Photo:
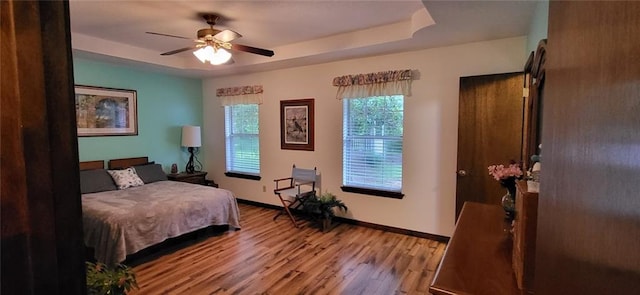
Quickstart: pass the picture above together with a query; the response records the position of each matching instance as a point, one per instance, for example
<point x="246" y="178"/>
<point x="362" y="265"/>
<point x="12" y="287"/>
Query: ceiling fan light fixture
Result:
<point x="212" y="55"/>
<point x="204" y="53"/>
<point x="212" y="44"/>
<point x="220" y="56"/>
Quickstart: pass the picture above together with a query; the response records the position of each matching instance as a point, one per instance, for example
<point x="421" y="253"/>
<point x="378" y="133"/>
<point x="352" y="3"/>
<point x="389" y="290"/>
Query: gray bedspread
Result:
<point x="122" y="222"/>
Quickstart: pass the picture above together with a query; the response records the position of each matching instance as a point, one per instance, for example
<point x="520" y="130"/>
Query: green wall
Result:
<point x="165" y="103"/>
<point x="539" y="25"/>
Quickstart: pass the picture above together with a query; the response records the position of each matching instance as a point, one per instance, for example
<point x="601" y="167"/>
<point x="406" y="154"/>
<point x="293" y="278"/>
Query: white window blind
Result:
<point x="372" y="142"/>
<point x="242" y="139"/>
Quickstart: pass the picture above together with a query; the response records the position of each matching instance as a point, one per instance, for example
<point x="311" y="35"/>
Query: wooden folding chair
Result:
<point x="299" y="187"/>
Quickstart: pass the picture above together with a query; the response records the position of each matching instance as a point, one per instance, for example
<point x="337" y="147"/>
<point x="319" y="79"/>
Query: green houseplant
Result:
<point x="323" y="207"/>
<point x="103" y="280"/>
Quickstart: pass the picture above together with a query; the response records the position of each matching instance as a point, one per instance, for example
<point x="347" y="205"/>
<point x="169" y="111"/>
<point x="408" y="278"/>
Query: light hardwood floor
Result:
<point x="267" y="257"/>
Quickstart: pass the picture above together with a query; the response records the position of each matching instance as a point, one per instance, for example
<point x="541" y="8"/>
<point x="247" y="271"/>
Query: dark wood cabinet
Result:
<point x="195" y="177"/>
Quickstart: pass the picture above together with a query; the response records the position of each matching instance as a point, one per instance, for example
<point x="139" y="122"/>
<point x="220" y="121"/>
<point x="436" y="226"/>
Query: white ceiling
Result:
<point x="300" y="32"/>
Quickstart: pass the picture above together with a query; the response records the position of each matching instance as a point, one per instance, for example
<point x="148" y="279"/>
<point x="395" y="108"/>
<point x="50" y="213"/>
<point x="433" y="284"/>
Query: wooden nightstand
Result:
<point x="195" y="177"/>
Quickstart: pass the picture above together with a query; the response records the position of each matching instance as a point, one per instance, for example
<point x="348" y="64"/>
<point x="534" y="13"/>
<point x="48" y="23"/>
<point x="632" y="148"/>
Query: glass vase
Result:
<point x="509" y="206"/>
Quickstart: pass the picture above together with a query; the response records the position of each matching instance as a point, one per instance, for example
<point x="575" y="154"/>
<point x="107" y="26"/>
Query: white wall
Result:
<point x="430" y="138"/>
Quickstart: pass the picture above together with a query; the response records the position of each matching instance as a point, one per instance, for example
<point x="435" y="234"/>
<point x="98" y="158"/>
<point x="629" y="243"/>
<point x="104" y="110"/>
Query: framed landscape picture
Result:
<point x="106" y="111"/>
<point x="296" y="124"/>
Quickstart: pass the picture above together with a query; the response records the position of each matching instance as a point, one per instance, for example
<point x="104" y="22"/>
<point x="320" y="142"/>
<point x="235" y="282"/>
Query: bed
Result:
<point x="121" y="221"/>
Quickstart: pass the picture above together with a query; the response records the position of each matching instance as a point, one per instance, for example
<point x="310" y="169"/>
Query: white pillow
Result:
<point x="125" y="178"/>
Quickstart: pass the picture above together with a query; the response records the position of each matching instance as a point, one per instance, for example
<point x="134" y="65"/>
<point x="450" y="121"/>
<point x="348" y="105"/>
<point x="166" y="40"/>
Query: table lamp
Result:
<point x="191" y="140"/>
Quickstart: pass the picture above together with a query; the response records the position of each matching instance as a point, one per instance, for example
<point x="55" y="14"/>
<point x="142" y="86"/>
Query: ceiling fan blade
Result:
<point x="167" y="35"/>
<point x="178" y="50"/>
<point x="227" y="35"/>
<point x="250" y="49"/>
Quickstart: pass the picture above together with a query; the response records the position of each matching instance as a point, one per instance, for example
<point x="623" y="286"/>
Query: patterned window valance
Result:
<point x="240" y="95"/>
<point x="374" y="84"/>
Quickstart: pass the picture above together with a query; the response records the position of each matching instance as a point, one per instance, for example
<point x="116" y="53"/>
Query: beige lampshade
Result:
<point x="191" y="136"/>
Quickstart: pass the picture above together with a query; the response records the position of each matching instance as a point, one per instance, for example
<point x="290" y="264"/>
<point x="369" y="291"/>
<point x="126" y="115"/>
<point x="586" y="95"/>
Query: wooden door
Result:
<point x="489" y="133"/>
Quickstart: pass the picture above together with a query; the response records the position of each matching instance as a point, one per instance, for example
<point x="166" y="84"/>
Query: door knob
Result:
<point x="462" y="172"/>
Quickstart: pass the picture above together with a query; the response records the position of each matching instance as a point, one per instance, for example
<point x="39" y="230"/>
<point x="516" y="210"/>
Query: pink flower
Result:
<point x="499" y="172"/>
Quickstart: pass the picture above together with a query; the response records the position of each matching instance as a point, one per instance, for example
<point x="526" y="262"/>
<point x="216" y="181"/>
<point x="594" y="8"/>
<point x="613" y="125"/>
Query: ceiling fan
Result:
<point x="212" y="44"/>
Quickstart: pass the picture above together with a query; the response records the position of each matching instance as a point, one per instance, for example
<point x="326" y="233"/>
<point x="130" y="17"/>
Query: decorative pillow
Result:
<point x="125" y="178"/>
<point x="150" y="173"/>
<point x="93" y="181"/>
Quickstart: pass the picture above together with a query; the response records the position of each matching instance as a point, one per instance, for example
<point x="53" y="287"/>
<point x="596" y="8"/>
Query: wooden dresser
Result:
<point x="524" y="236"/>
<point x="478" y="257"/>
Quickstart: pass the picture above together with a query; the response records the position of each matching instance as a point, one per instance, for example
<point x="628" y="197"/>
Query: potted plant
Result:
<point x="322" y="208"/>
<point x="104" y="280"/>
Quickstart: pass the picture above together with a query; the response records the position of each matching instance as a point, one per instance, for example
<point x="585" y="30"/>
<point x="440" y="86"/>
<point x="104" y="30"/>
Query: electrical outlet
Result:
<point x="264" y="188"/>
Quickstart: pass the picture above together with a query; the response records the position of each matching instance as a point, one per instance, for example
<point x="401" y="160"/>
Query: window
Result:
<point x="372" y="145"/>
<point x="242" y="140"/>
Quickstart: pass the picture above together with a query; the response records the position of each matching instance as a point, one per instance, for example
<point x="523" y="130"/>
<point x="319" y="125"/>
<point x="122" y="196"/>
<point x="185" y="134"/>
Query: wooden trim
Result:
<point x="439" y="238"/>
<point x="529" y="64"/>
<point x="538" y="70"/>
<point x="92" y="165"/>
<point x="243" y="176"/>
<point x="372" y="192"/>
<point x="525" y="153"/>
<point x="127" y="162"/>
<point x="258" y="204"/>
<point x="413" y="233"/>
<point x="533" y="112"/>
